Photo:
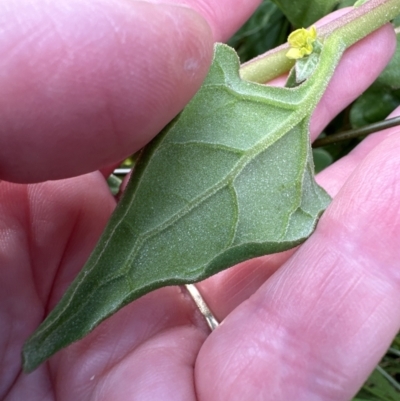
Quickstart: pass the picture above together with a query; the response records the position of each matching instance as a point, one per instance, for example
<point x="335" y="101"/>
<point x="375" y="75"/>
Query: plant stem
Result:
<point x="389" y="378"/>
<point x="351" y="27"/>
<point x="394" y="351"/>
<point x="355" y="133"/>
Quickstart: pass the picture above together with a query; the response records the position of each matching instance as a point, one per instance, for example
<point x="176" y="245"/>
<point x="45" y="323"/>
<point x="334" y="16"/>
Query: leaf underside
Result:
<point x="230" y="178"/>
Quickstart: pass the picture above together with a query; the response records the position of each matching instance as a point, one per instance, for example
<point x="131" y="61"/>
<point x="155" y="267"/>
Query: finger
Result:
<point x="320" y="324"/>
<point x="47" y="232"/>
<point x="87" y="83"/>
<point x="228" y="289"/>
<point x="147" y="348"/>
<point x="85" y="88"/>
<point x="225" y="17"/>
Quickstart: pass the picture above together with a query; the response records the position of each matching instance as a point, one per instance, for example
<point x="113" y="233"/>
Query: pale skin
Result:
<point x="86" y="83"/>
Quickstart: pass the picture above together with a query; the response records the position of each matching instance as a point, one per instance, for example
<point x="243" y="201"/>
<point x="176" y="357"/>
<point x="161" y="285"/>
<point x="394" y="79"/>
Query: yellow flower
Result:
<point x="301" y="42"/>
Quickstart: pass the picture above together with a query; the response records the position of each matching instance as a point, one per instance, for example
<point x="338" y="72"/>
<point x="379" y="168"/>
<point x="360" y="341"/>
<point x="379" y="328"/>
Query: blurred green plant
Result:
<point x="366" y="109"/>
<point x="266" y="29"/>
<point x="305" y="13"/>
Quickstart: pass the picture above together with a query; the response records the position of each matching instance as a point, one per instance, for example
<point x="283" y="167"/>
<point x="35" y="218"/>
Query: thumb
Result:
<point x="86" y="83"/>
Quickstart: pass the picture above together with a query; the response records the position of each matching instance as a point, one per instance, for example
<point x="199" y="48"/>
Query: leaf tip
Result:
<point x="29" y="362"/>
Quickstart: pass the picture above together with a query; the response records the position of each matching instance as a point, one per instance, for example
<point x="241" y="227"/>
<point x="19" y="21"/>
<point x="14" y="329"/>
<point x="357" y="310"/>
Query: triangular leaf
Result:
<point x="230" y="178"/>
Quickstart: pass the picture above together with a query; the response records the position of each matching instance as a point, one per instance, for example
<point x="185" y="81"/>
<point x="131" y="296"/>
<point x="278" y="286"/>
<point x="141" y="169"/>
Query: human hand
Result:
<point x="302" y="333"/>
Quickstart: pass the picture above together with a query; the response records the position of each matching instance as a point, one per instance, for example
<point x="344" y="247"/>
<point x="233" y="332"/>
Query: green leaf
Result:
<point x="374" y="105"/>
<point x="304" y="13"/>
<point x="359" y="3"/>
<point x="322" y="159"/>
<point x="304" y="67"/>
<point x="345" y="3"/>
<point x="390" y="76"/>
<point x="361" y="399"/>
<point x="396" y="23"/>
<point x="381" y="98"/>
<point x="267" y="28"/>
<point x="379" y="388"/>
<point x="230" y="178"/>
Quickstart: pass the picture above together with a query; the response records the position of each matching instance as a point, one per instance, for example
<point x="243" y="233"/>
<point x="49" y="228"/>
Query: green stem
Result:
<point x="351" y="27"/>
<point x="355" y="133"/>
<point x="389" y="378"/>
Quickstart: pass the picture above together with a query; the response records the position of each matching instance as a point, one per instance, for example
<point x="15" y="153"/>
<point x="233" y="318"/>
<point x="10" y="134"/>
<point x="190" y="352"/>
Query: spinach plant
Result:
<point x="230" y="178"/>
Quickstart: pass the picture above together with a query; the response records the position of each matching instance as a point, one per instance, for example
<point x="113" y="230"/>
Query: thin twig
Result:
<point x="355" y="133"/>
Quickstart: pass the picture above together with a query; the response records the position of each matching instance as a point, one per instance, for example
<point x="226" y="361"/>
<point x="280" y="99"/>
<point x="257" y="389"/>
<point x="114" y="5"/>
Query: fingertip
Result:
<point x="85" y="84"/>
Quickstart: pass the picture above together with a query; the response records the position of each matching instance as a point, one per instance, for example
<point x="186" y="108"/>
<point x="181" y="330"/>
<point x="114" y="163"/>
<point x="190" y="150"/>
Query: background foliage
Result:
<point x="268" y="28"/>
